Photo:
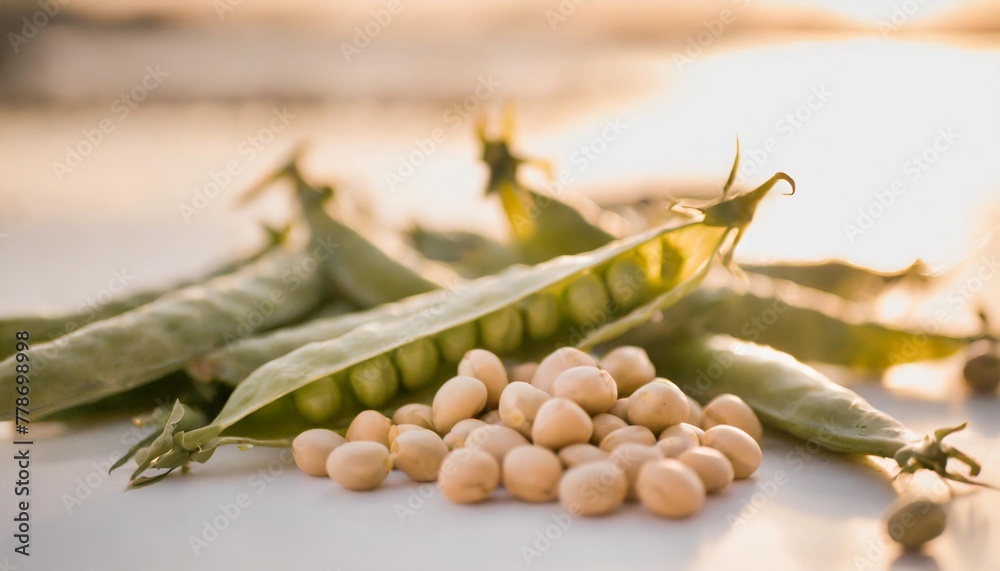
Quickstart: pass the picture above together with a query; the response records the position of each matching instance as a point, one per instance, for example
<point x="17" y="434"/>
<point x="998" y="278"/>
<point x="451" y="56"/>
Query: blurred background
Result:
<point x="129" y="129"/>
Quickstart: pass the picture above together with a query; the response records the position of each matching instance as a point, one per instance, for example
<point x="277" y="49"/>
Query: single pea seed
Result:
<point x="414" y="413"/>
<point x="555" y="363"/>
<point x="460" y="432"/>
<point x="742" y="450"/>
<point x="913" y="522"/>
<point x="359" y="466"/>
<point x="630" y="367"/>
<point x="522" y="373"/>
<point x="630" y="458"/>
<point x="593" y="488"/>
<point x="695" y="413"/>
<point x="559" y="423"/>
<point x="626" y="280"/>
<point x="419" y="454"/>
<point x="657" y="405"/>
<point x="670" y="489"/>
<point x="532" y="474"/>
<point x="311" y="448"/>
<point x="591" y="388"/>
<point x="495" y="439"/>
<point x="468" y="476"/>
<point x="519" y="405"/>
<point x="620" y="408"/>
<point x="457" y="341"/>
<point x="576" y="454"/>
<point x="587" y="300"/>
<point x="396" y="429"/>
<point x="374" y="382"/>
<point x="502" y="331"/>
<point x="616" y="438"/>
<point x="674" y="446"/>
<point x="541" y="316"/>
<point x="488" y="368"/>
<point x="982" y="373"/>
<point x="684" y="430"/>
<point x="417" y="363"/>
<point x="491" y="417"/>
<point x="734" y="411"/>
<point x="318" y="401"/>
<point x="712" y="466"/>
<point x="457" y="399"/>
<point x="370" y="425"/>
<point x="605" y="424"/>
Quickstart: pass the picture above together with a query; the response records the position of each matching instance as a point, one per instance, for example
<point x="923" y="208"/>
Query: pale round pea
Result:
<point x="555" y="363"/>
<point x="419" y="454"/>
<point x="396" y="429"/>
<point x="670" y="489"/>
<point x="468" y="476"/>
<point x="591" y="388"/>
<point x="488" y="368"/>
<point x="311" y="448"/>
<point x="743" y="451"/>
<point x="532" y="474"/>
<point x="695" y="413"/>
<point x="657" y="405"/>
<point x="734" y="411"/>
<point x="414" y="413"/>
<point x="495" y="439"/>
<point x="593" y="488"/>
<point x="605" y="424"/>
<point x="637" y="434"/>
<point x="674" y="446"/>
<point x="620" y="408"/>
<point x="576" y="454"/>
<point x="630" y="458"/>
<point x="684" y="430"/>
<point x="491" y="417"/>
<point x="371" y="426"/>
<point x="458" y="398"/>
<point x="461" y="431"/>
<point x="712" y="466"/>
<point x="913" y="522"/>
<point x="630" y="367"/>
<point x="559" y="423"/>
<point x="359" y="465"/>
<point x="522" y="373"/>
<point x="519" y="404"/>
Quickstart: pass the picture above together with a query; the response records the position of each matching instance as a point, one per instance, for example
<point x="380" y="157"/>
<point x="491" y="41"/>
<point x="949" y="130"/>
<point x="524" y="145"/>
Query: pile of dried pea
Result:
<point x="592" y="435"/>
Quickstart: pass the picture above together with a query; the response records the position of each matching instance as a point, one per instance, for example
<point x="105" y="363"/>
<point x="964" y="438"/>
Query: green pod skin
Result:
<point x="375" y="382"/>
<point x="502" y="331"/>
<point x="810" y="334"/>
<point x="797" y="399"/>
<point x="841" y="279"/>
<point x="145" y="344"/>
<point x="456" y="342"/>
<point x="318" y="402"/>
<point x="417" y="363"/>
<point x="587" y="301"/>
<point x="541" y="316"/>
<point x="627" y="283"/>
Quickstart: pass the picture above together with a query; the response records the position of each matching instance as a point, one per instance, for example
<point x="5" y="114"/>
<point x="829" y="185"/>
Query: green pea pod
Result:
<point x="676" y="255"/>
<point x="144" y="344"/>
<point x="471" y="254"/>
<point x="803" y="323"/>
<point x="799" y="400"/>
<point x="843" y="279"/>
<point x="48" y="327"/>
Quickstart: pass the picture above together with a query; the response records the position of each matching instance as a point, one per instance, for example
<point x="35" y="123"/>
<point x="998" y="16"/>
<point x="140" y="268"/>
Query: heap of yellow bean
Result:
<point x="590" y="435"/>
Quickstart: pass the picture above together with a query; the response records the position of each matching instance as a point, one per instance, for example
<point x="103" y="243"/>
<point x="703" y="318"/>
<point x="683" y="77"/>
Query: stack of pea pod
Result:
<point x="366" y="331"/>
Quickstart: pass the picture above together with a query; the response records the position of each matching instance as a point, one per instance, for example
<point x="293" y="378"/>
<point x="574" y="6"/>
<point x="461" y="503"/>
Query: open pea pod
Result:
<point x="579" y="299"/>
